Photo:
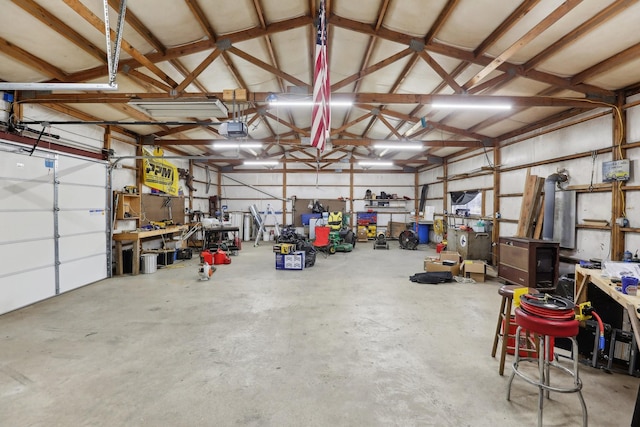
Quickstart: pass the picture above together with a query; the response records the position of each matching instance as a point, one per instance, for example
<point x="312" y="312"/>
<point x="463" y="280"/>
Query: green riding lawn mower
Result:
<point x="341" y="238"/>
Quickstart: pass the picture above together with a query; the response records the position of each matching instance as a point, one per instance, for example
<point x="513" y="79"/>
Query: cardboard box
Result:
<point x="448" y="261"/>
<point x="293" y="261"/>
<point x="284" y="248"/>
<point x="362" y="234"/>
<point x="474" y="269"/>
<point x="394" y="229"/>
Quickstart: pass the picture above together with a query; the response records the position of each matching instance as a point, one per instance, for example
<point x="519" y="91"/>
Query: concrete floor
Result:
<point x="348" y="342"/>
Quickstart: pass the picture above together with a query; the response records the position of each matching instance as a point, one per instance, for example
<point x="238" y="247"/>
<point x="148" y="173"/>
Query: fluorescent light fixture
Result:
<point x="261" y="162"/>
<point x="472" y="106"/>
<point x="237" y="145"/>
<point x="399" y="146"/>
<point x="374" y="163"/>
<point x="308" y="103"/>
<point x="57" y="86"/>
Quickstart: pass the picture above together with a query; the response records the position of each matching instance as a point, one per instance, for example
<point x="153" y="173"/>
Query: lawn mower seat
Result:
<point x="335" y="221"/>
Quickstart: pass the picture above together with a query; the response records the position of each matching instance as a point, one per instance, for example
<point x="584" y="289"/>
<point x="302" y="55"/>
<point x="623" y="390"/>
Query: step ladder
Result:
<point x="262" y="222"/>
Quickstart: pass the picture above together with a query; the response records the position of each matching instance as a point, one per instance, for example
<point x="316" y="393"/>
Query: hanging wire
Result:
<point x="594" y="156"/>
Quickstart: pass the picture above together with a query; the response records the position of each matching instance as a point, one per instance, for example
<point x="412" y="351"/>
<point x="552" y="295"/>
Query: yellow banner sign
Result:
<point x="161" y="175"/>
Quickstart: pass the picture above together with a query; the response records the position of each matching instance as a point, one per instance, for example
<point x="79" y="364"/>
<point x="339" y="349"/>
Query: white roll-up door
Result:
<point x="53" y="222"/>
<point x="81" y="222"/>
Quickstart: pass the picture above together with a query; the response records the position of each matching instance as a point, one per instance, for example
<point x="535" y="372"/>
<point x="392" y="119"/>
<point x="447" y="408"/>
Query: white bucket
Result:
<point x="149" y="263"/>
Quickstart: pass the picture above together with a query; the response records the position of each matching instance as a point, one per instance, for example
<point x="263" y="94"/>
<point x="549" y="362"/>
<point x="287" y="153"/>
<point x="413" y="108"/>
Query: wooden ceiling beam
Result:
<point x="61" y="28"/>
<point x="351" y="123"/>
<point x="148" y="80"/>
<point x="513" y="18"/>
<point x="196" y="47"/>
<point x="360" y="100"/>
<point x="267" y="67"/>
<point x="198" y="70"/>
<point x="527" y="38"/>
<point x="442" y="18"/>
<point x="136" y="24"/>
<point x="32" y="61"/>
<point x="371" y="69"/>
<point x="614" y="61"/>
<point x="467" y="56"/>
<point x="200" y="16"/>
<point x="98" y="24"/>
<point x="441" y="72"/>
<point x="287" y="124"/>
<point x="591" y="24"/>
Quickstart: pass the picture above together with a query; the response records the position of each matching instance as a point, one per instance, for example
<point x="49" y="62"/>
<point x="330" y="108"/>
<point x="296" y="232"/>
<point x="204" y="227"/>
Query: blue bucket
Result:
<point x="628" y="281"/>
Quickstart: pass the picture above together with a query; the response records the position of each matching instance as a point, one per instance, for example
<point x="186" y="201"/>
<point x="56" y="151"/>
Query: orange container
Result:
<point x="440" y="247"/>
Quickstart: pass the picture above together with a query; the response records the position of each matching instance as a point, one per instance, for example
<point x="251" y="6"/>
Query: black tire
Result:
<point x="374" y="246"/>
<point x="350" y="237"/>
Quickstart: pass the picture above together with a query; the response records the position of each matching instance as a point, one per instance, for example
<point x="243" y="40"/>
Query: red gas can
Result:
<point x="221" y="257"/>
<point x="206" y="256"/>
<point x="440" y="247"/>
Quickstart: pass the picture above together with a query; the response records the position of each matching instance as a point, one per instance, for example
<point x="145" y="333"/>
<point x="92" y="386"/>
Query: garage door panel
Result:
<point x="78" y="171"/>
<point x="25" y="256"/>
<point x="81" y="246"/>
<point x="26" y="195"/>
<point x="73" y="222"/>
<point x="26" y="226"/>
<point x="26" y="288"/>
<point x="93" y="269"/>
<point x="79" y="197"/>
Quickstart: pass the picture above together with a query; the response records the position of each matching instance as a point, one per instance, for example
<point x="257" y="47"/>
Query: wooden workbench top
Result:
<point x="137" y="235"/>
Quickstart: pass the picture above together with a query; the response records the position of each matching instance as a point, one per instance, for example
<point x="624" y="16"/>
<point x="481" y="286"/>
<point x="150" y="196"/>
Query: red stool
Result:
<point x="546" y="328"/>
<point x="503" y="327"/>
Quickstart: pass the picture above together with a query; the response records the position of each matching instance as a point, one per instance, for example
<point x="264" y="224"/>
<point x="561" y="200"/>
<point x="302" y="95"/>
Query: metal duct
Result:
<point x="550" y="204"/>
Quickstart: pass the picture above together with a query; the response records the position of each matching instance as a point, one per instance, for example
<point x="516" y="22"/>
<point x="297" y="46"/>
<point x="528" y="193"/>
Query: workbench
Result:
<point x="136" y="238"/>
<point x="214" y="237"/>
<point x="631" y="303"/>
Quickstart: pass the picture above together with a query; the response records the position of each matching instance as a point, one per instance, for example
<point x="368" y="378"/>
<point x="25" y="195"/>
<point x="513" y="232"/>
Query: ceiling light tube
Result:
<point x="260" y="162"/>
<point x="57" y="86"/>
<point x="375" y="163"/>
<point x="399" y="146"/>
<point x="309" y="103"/>
<point x="472" y="106"/>
<point x="237" y="145"/>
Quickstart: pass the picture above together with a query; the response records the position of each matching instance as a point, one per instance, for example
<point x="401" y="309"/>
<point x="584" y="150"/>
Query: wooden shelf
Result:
<point x="129" y="206"/>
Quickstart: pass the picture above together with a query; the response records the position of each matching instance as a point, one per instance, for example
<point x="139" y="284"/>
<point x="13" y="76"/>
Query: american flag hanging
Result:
<point x="321" y="113"/>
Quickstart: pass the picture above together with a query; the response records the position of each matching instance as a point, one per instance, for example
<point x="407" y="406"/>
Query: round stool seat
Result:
<point x="543" y="326"/>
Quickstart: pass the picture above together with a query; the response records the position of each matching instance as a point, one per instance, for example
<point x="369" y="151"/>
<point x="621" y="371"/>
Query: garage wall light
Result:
<point x="223" y="145"/>
<point x="260" y="163"/>
<point x="279" y="103"/>
<point x="472" y="106"/>
<point x="374" y="163"/>
<point x="399" y="146"/>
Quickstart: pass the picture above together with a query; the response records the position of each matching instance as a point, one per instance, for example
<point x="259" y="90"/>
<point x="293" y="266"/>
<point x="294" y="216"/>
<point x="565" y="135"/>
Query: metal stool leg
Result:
<point x="515" y="363"/>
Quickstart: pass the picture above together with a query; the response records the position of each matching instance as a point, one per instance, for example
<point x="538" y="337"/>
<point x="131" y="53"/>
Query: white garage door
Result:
<point x="53" y="222"/>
